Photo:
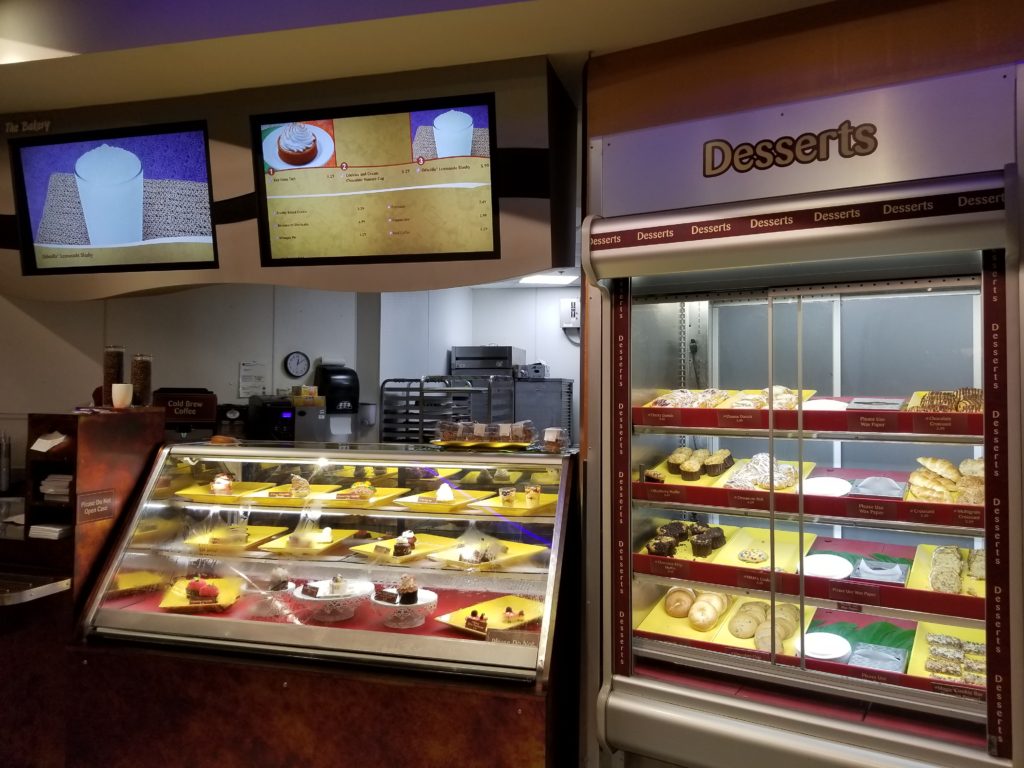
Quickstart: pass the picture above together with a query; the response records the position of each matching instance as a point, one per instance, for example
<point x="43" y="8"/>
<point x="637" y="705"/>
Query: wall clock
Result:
<point x="296" y="364"/>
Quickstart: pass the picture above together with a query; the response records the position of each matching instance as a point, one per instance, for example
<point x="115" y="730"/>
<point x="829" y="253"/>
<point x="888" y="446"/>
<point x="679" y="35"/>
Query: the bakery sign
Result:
<point x="845" y="141"/>
<point x="943" y="127"/>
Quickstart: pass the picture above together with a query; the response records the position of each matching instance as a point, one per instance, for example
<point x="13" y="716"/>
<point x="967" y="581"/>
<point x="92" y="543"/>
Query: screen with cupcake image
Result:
<point x="388" y="182"/>
<point x="116" y="200"/>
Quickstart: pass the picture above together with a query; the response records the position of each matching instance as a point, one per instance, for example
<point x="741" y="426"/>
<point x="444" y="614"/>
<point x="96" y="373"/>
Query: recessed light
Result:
<point x="548" y="279"/>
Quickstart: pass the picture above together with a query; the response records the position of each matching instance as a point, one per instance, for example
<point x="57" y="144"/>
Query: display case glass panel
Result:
<point x="381" y="554"/>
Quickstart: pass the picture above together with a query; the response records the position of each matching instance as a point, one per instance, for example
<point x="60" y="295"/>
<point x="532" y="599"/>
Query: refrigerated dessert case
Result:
<point x="399" y="556"/>
<point x="814" y="444"/>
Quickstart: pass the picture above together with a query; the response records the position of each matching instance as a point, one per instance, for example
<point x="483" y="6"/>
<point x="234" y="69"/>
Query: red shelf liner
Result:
<point x="855" y="591"/>
<point x="365" y="618"/>
<point x="851" y="507"/>
<point x="922" y="423"/>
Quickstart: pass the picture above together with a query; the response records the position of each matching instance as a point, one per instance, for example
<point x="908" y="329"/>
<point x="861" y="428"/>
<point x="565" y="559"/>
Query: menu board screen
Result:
<point x="117" y="200"/>
<point x="390" y="182"/>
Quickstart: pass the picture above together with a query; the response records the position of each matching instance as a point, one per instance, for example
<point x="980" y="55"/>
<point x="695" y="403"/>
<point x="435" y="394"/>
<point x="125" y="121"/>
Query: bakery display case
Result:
<point x="400" y="556"/>
<point x="813" y="457"/>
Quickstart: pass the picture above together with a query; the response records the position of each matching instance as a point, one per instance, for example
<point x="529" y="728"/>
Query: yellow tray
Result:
<point x="281" y="546"/>
<point x="673" y="479"/>
<point x="421" y="502"/>
<point x="472" y="478"/>
<point x="921" y="569"/>
<point x="488" y="444"/>
<point x="382" y="496"/>
<point x="909" y="495"/>
<point x="349" y="473"/>
<point x="807" y="395"/>
<point x="685" y="550"/>
<point x="547" y="477"/>
<point x="258" y="534"/>
<point x="514" y="551"/>
<point x="919" y="652"/>
<point x="494" y="610"/>
<point x="722" y="479"/>
<point x="130" y="582"/>
<point x="175" y="600"/>
<point x="725" y="637"/>
<point x="660" y="623"/>
<point x="787" y="554"/>
<point x="267" y="499"/>
<point x="203" y="495"/>
<point x="545" y="505"/>
<point x="662" y="392"/>
<point x="426" y="544"/>
<point x="156" y="529"/>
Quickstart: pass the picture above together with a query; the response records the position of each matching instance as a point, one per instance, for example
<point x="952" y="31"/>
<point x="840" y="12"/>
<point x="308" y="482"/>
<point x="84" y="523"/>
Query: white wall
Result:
<point x="52" y="351"/>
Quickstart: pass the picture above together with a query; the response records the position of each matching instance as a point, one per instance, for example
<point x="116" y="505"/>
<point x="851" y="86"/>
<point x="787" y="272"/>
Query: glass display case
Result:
<point x="400" y="556"/>
<point x="811" y="439"/>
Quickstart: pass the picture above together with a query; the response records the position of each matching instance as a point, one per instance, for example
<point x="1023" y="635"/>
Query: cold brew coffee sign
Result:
<point x="846" y="141"/>
<point x="943" y="127"/>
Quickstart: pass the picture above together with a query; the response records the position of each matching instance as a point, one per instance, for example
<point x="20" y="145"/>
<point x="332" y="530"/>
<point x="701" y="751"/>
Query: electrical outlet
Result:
<point x="569" y="313"/>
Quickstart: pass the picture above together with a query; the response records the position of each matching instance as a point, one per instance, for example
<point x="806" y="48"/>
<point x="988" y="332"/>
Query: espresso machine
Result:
<point x="339" y="386"/>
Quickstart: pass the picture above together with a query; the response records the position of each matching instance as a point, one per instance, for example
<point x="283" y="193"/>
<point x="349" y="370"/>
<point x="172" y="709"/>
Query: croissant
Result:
<point x="927" y="494"/>
<point x="925" y="478"/>
<point x="943" y="467"/>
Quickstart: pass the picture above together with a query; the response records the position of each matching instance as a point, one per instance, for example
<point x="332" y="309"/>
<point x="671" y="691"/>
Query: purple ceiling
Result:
<point x="103" y="25"/>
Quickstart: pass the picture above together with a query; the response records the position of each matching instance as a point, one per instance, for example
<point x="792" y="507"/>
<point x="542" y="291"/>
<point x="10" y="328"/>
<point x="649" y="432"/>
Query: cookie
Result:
<point x="752" y="556"/>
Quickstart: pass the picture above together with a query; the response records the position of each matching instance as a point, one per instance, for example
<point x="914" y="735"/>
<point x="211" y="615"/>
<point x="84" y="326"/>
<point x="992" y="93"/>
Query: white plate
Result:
<point x="825" y="646"/>
<point x="825" y="405"/>
<point x="324" y="149"/>
<point x="827" y="566"/>
<point x="826" y="486"/>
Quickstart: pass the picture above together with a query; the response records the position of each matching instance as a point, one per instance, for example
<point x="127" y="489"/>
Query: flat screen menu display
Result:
<point x="409" y="181"/>
<point x="115" y="200"/>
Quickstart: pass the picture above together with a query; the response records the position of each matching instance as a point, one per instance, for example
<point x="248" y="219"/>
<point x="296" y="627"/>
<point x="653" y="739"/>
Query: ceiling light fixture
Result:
<point x="543" y="279"/>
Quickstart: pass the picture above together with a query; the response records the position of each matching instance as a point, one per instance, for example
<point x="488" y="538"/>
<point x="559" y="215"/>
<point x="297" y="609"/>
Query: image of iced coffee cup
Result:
<point x="109" y="183"/>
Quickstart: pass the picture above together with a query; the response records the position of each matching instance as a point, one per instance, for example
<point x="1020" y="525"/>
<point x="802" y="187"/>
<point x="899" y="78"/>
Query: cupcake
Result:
<point x="717" y="537"/>
<point x="676" y="529"/>
<point x="678" y="456"/>
<point x="701" y="544"/>
<point x="691" y="469"/>
<point x="408" y="592"/>
<point x="662" y="545"/>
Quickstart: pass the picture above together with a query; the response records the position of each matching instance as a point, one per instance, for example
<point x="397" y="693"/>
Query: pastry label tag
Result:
<point x="747" y="499"/>
<point x="941" y="423"/>
<point x="865" y="594"/>
<point x="964" y="692"/>
<point x="970" y="516"/>
<point x="666" y="566"/>
<point x="748" y="579"/>
<point x="859" y="421"/>
<point x="851" y="607"/>
<point x="662" y="492"/>
<point x="921" y="514"/>
<point x="659" y="417"/>
<point x="741" y="419"/>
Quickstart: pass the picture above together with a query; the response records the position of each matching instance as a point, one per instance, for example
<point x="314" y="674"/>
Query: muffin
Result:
<point x="715" y="465"/>
<point x="664" y="546"/>
<point x="678" y="456"/>
<point x="690" y="469"/>
<point x="701" y="544"/>
<point x="676" y="529"/>
<point x="717" y="537"/>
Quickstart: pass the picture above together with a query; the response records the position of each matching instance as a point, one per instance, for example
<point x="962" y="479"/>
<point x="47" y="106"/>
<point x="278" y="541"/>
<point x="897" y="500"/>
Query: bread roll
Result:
<point x="973" y="467"/>
<point x="973" y="495"/>
<point x="678" y="602"/>
<point x="703" y="616"/>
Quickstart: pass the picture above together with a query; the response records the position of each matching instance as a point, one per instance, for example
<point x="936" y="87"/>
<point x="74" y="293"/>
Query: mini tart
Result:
<point x="300" y="157"/>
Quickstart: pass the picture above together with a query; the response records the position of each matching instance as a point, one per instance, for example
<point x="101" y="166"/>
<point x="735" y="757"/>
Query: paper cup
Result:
<point x="109" y="183"/>
<point x="121" y="395"/>
<point x="453" y="134"/>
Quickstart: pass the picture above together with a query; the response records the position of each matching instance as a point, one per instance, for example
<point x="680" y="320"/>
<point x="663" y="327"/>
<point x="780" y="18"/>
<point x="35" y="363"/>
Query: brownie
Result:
<point x="717" y="537"/>
<point x="676" y="529"/>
